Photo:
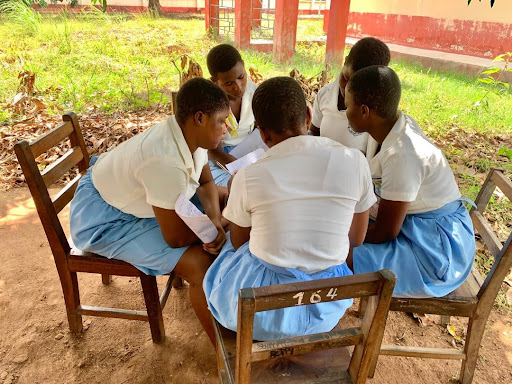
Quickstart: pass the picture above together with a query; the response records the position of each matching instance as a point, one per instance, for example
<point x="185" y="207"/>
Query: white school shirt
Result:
<point x="409" y="167"/>
<point x="150" y="169"/>
<point x="239" y="130"/>
<point x="299" y="199"/>
<point x="332" y="122"/>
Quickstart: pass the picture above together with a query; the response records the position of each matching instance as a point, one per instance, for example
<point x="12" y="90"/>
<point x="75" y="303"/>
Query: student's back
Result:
<point x="296" y="194"/>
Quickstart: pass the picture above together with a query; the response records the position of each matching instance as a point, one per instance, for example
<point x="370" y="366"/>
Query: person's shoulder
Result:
<point x="251" y="86"/>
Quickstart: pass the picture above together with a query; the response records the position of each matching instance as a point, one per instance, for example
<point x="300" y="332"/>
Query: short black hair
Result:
<point x="279" y="105"/>
<point x="199" y="95"/>
<point x="222" y="58"/>
<point x="378" y="87"/>
<point x="368" y="51"/>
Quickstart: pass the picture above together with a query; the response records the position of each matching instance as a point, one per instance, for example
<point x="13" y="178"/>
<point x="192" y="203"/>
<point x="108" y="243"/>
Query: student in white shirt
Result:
<point x="227" y="70"/>
<point x="294" y="215"/>
<point x="123" y="207"/>
<point x="329" y="117"/>
<point x="422" y="231"/>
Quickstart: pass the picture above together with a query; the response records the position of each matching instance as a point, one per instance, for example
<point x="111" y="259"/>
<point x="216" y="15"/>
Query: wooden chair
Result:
<point x="68" y="259"/>
<point x="474" y="299"/>
<point x="315" y="358"/>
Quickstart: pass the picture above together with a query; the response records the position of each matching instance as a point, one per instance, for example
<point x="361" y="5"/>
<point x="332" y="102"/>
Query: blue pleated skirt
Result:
<point x="220" y="177"/>
<point x="432" y="255"/>
<point x="98" y="227"/>
<point x="236" y="269"/>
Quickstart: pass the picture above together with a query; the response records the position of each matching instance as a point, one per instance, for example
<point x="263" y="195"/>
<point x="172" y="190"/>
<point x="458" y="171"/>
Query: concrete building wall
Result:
<point x="445" y="25"/>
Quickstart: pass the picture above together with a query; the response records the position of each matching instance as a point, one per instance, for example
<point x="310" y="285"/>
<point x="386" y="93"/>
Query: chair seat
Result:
<point x="327" y="366"/>
<point x="461" y="302"/>
<point x="79" y="261"/>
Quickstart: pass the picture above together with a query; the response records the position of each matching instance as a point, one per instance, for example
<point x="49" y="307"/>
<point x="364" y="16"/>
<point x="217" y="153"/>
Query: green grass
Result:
<point x="115" y="62"/>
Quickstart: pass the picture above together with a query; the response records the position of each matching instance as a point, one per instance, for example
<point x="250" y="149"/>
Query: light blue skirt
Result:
<point x="220" y="177"/>
<point x="236" y="269"/>
<point x="432" y="255"/>
<point x="98" y="227"/>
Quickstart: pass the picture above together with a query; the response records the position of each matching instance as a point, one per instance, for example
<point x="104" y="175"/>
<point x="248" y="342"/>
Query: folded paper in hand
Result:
<point x="244" y="161"/>
<point x="198" y="222"/>
<point x="249" y="144"/>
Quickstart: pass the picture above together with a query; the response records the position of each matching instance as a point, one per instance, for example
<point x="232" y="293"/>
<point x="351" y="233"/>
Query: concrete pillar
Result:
<point x="256" y="13"/>
<point x="285" y="29"/>
<point x="337" y="31"/>
<point x="211" y="15"/>
<point x="243" y="22"/>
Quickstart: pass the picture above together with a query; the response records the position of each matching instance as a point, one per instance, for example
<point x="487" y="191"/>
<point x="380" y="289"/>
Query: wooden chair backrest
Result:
<point x="39" y="182"/>
<point x="378" y="287"/>
<point x="502" y="253"/>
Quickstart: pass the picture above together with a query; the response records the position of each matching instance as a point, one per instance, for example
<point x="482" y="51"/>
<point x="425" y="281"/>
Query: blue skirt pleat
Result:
<point x="431" y="257"/>
<point x="98" y="227"/>
<point x="236" y="269"/>
<point x="220" y="177"/>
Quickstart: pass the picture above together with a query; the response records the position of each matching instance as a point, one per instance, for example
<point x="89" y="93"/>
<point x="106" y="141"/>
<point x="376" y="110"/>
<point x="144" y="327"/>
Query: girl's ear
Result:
<point x="365" y="111"/>
<point x="198" y="118"/>
<point x="265" y="136"/>
<point x="308" y="114"/>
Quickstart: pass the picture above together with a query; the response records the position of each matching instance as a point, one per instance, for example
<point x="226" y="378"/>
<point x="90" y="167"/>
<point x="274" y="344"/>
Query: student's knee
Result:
<point x="193" y="265"/>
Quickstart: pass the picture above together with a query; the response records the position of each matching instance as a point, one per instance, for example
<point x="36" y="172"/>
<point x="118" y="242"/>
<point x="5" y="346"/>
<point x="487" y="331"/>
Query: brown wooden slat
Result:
<point x="95" y="264"/>
<point x="61" y="199"/>
<point x="55" y="171"/>
<point x="429" y="353"/>
<point x="434" y="306"/>
<point x="305" y="344"/>
<point x="282" y="296"/>
<point x="503" y="183"/>
<point x="51" y="138"/>
<point x="128" y="314"/>
<point x="491" y="240"/>
<point x="166" y="291"/>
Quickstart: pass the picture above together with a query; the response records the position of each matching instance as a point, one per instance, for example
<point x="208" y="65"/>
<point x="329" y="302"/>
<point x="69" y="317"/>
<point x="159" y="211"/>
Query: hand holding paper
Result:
<point x="198" y="222"/>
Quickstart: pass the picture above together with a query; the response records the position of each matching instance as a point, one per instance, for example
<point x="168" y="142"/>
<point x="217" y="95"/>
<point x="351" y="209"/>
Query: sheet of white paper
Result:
<point x="244" y="161"/>
<point x="250" y="144"/>
<point x="198" y="222"/>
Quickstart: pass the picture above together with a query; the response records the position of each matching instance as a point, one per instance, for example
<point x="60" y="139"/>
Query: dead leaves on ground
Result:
<point x="187" y="68"/>
<point x="101" y="131"/>
<point x="311" y="85"/>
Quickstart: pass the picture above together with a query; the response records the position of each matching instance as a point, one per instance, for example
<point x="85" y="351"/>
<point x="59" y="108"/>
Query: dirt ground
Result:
<point x="36" y="346"/>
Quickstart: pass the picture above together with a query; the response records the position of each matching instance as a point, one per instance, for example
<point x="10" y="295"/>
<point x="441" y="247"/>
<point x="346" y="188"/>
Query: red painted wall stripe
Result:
<point x="474" y="38"/>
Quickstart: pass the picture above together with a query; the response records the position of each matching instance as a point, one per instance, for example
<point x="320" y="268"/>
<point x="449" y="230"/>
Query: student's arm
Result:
<point x="239" y="235"/>
<point x="209" y="198"/>
<point x="358" y="228"/>
<point x="219" y="155"/>
<point x="176" y="233"/>
<point x="390" y="218"/>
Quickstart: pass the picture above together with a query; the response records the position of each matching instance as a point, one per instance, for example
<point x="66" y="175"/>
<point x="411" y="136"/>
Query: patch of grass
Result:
<point x="114" y="62"/>
<point x="440" y="101"/>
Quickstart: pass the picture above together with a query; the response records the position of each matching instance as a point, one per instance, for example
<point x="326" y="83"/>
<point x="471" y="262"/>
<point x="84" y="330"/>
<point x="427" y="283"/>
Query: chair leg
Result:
<point x="445" y="320"/>
<point x="475" y="332"/>
<point x="106" y="279"/>
<point x="363" y="302"/>
<point x="153" y="307"/>
<point x="69" y="282"/>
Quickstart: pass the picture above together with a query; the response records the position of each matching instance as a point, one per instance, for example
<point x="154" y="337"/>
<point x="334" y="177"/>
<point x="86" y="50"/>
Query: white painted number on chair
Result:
<point x="315" y="297"/>
<point x="333" y="292"/>
<point x="299" y="296"/>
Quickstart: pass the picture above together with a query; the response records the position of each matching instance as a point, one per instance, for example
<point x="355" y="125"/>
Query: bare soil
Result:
<point x="36" y="346"/>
